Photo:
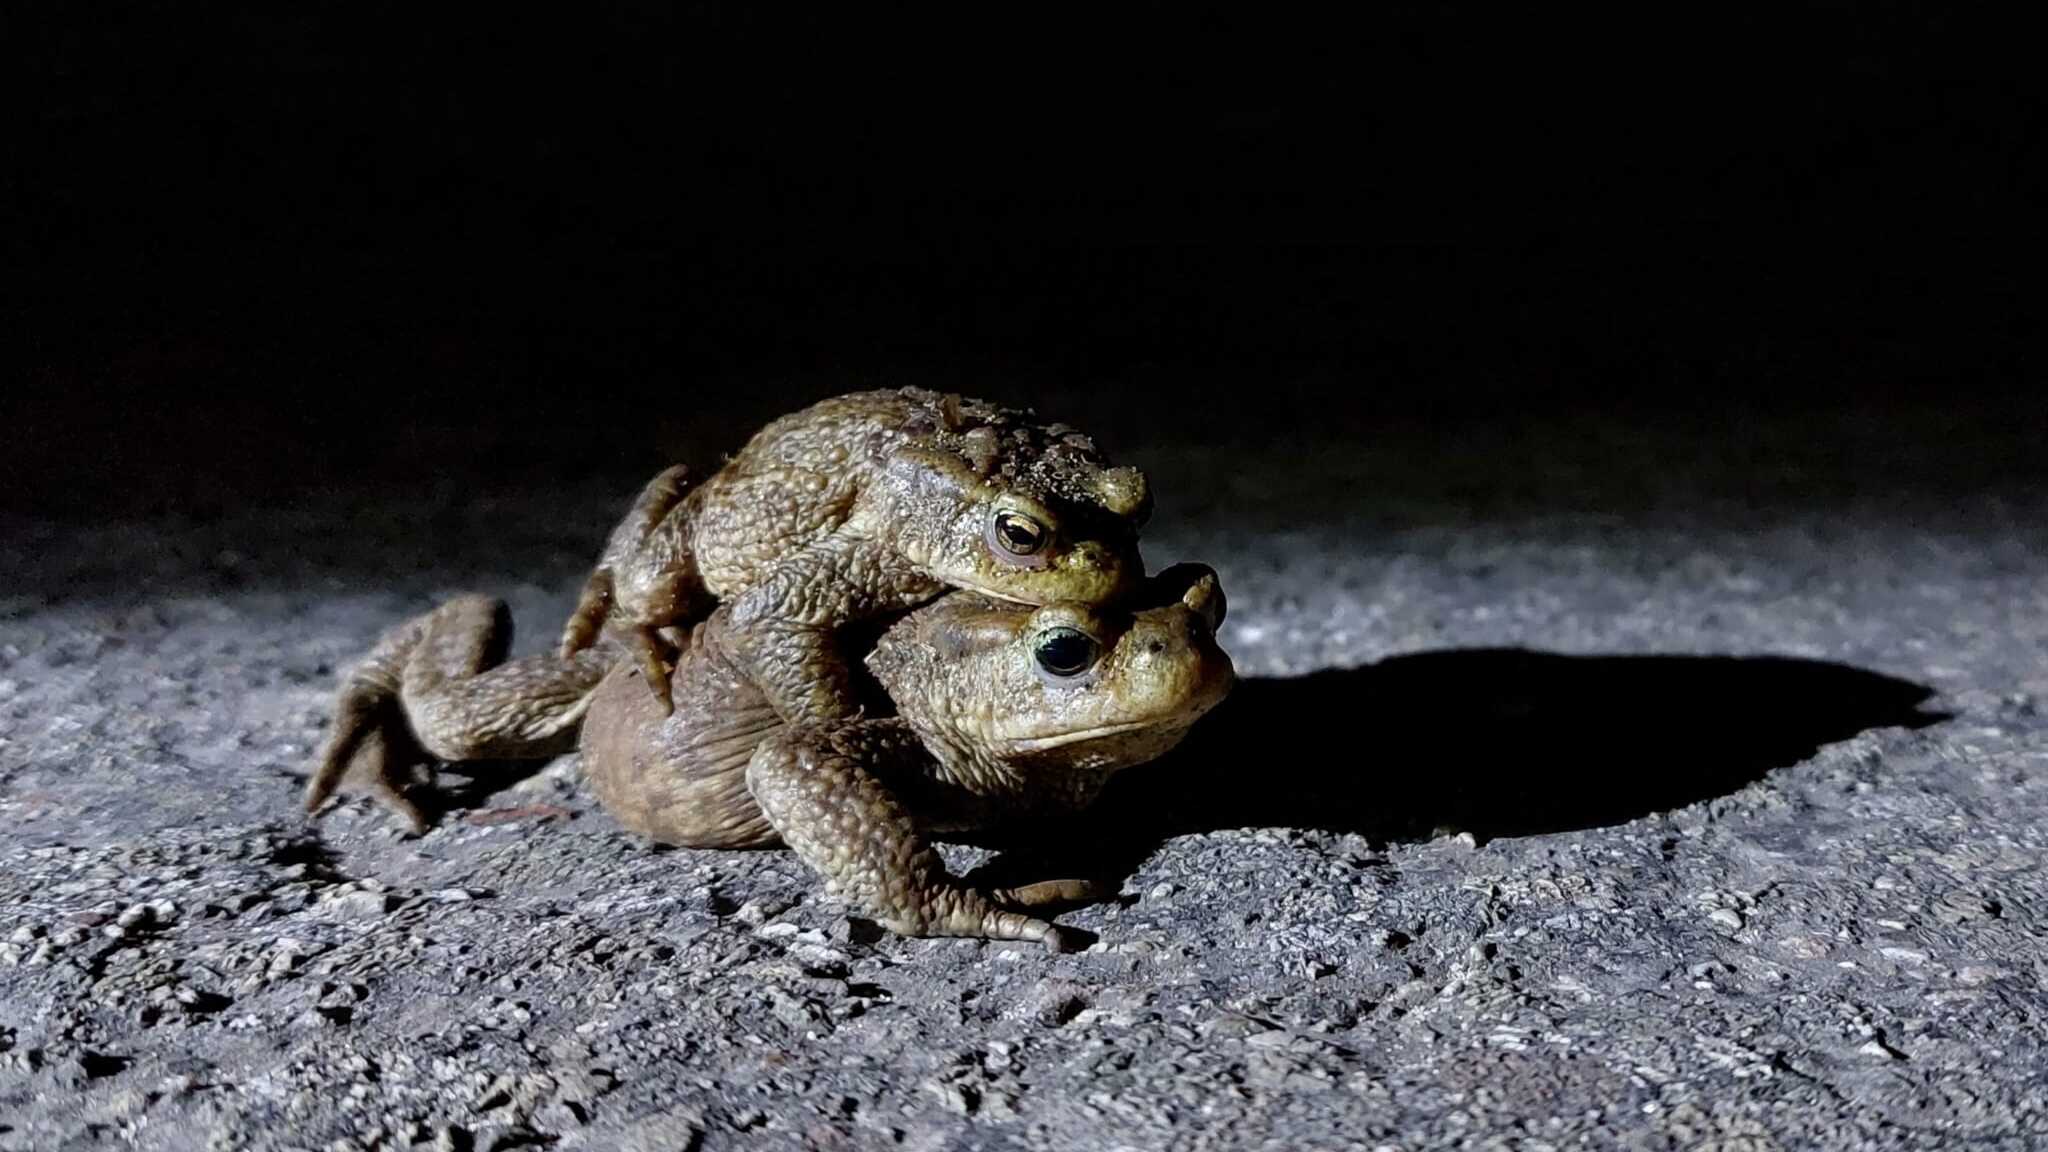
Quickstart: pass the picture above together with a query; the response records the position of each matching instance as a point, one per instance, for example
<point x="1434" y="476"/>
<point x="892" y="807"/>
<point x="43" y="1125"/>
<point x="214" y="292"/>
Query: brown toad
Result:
<point x="1002" y="714"/>
<point x="855" y="507"/>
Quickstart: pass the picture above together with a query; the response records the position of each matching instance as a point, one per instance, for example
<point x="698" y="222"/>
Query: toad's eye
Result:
<point x="1065" y="652"/>
<point x="1017" y="534"/>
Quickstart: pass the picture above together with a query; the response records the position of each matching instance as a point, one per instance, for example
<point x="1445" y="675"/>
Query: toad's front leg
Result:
<point x="785" y="632"/>
<point x="798" y="667"/>
<point x="841" y="820"/>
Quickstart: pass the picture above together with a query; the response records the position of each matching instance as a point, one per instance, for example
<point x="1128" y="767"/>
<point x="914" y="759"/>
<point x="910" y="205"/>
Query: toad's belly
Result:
<point x="679" y="779"/>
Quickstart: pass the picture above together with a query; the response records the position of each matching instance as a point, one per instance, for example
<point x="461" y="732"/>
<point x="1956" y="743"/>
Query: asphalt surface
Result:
<point x="1590" y="785"/>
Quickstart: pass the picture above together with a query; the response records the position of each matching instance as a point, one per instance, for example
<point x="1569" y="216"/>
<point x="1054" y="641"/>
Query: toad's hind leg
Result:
<point x="646" y="579"/>
<point x="845" y="823"/>
<point x="437" y="687"/>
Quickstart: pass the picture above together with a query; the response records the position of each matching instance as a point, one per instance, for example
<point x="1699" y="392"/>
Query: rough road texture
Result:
<point x="1511" y="869"/>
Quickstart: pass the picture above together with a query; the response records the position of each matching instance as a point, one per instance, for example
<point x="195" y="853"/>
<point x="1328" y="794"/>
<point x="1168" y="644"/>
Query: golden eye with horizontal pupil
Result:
<point x="1018" y="534"/>
<point x="1065" y="651"/>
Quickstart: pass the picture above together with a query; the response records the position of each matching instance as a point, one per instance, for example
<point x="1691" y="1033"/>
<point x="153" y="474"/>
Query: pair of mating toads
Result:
<point x="985" y="565"/>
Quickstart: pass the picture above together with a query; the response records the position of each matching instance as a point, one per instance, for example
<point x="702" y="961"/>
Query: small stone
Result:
<point x="798" y="1011"/>
<point x="1726" y="917"/>
<point x="366" y="904"/>
<point x="128" y="1103"/>
<point x="562" y="1114"/>
<point x="1803" y="947"/>
<point x="1873" y="1048"/>
<point x="954" y="1098"/>
<point x="1905" y="955"/>
<point x="854" y="930"/>
<point x="820" y="960"/>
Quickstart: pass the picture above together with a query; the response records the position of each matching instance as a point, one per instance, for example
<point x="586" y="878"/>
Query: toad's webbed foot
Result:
<point x="840" y="819"/>
<point x="645" y="581"/>
<point x="371" y="750"/>
<point x="438" y="688"/>
<point x="1053" y="893"/>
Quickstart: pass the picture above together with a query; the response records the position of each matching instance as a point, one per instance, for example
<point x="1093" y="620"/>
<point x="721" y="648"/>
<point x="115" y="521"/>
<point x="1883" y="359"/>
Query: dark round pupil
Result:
<point x="1064" y="652"/>
<point x="1019" y="535"/>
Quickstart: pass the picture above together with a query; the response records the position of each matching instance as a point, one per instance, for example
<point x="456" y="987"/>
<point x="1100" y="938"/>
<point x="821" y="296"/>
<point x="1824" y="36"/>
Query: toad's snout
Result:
<point x="1181" y="652"/>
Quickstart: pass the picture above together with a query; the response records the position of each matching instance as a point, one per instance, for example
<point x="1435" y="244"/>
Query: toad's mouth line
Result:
<point x="1062" y="739"/>
<point x="995" y="595"/>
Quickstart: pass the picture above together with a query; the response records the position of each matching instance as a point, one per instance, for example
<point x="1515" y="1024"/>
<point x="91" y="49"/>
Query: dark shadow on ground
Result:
<point x="465" y="789"/>
<point x="1495" y="742"/>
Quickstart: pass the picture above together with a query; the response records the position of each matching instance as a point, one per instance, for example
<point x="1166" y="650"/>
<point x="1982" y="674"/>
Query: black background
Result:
<point x="252" y="248"/>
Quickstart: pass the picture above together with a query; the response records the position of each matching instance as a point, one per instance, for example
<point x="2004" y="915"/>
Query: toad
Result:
<point x="980" y="713"/>
<point x="855" y="507"/>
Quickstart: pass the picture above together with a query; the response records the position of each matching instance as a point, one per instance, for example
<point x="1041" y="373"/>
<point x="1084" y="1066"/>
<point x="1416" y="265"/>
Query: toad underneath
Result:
<point x="1002" y="713"/>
